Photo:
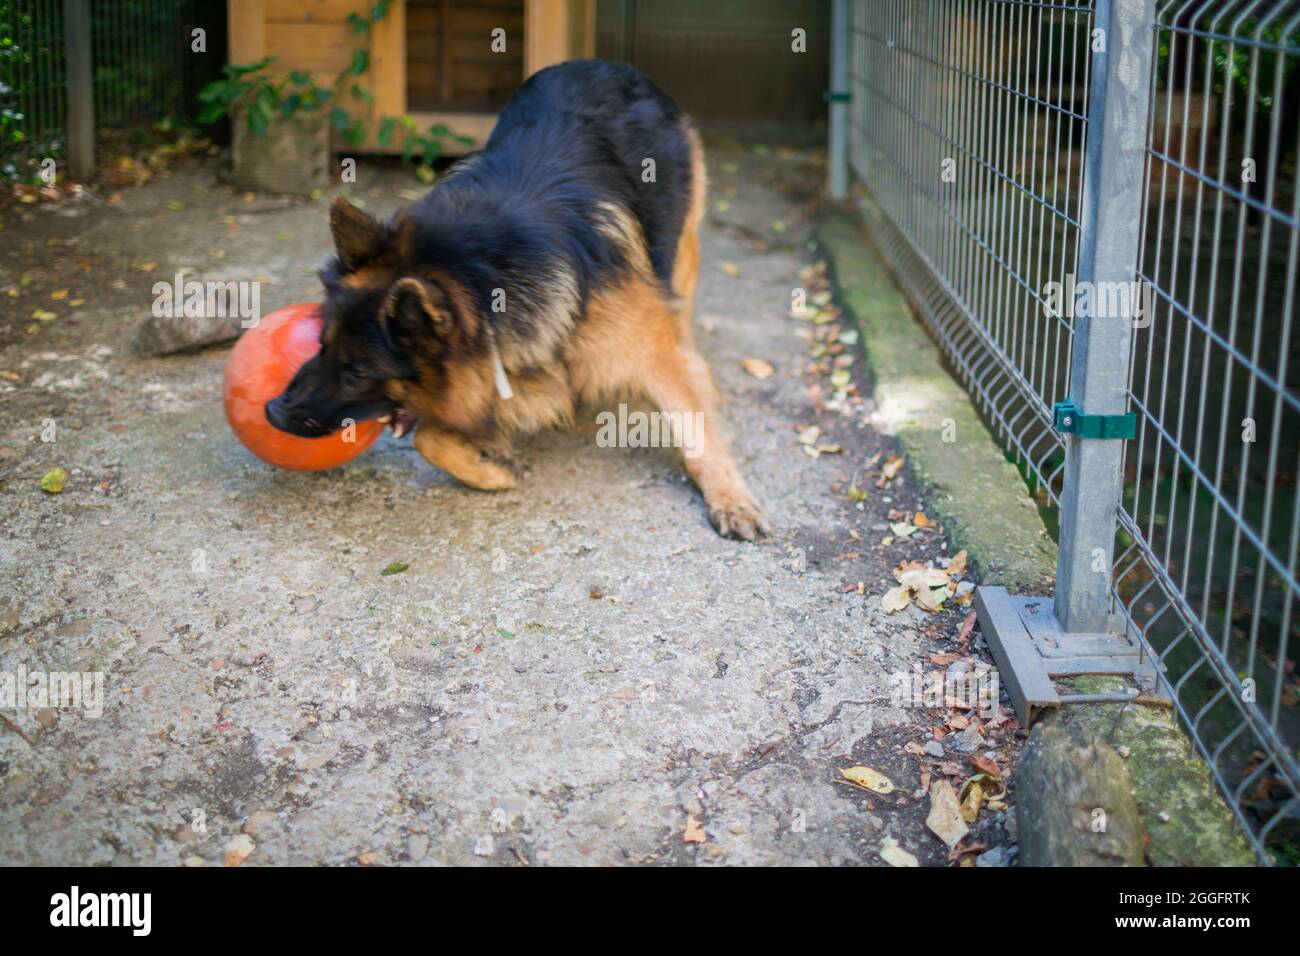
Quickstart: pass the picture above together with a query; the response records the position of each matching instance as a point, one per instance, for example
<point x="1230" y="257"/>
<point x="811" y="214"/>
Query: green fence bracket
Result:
<point x="1067" y="418"/>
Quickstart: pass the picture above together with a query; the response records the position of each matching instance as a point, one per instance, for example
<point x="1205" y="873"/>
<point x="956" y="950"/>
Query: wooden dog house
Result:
<point x="432" y="60"/>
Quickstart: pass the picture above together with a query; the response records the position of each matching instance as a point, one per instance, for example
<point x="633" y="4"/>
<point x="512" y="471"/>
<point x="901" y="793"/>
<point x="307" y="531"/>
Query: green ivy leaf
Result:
<point x="235" y="70"/>
<point x="257" y="123"/>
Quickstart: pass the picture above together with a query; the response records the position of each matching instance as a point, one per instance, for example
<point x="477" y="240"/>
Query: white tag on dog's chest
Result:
<point x="499" y="373"/>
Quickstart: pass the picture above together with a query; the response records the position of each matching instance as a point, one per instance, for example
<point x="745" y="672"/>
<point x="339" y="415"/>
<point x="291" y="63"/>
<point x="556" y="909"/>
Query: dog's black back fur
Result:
<point x="547" y="212"/>
<point x="574" y="136"/>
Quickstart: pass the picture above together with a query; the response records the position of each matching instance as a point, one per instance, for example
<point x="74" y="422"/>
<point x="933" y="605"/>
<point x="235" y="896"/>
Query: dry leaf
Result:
<point x="923" y="577"/>
<point x="931" y="599"/>
<point x="694" y="832"/>
<point x="890" y="468"/>
<point x="895" y="855"/>
<point x="971" y="801"/>
<point x="757" y="367"/>
<point x="958" y="563"/>
<point x="730" y="268"/>
<point x="945" y="819"/>
<point x="902" y="529"/>
<point x="868" y="779"/>
<point x="54" y="480"/>
<point x="986" y="765"/>
<point x="901" y="570"/>
<point x="896" y="599"/>
<point x="921" y="521"/>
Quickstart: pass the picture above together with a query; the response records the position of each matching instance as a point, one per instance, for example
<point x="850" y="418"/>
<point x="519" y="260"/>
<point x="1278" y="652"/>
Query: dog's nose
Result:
<point x="276" y="415"/>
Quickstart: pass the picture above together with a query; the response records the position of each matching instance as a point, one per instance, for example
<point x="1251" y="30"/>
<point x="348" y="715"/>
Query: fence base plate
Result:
<point x="1031" y="648"/>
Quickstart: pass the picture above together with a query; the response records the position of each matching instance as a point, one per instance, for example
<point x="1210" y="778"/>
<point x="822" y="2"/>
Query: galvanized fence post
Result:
<point x="837" y="142"/>
<point x="1032" y="642"/>
<point x="1114" y="168"/>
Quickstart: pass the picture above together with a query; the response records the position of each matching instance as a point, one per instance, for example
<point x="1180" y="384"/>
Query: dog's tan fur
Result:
<point x="633" y="342"/>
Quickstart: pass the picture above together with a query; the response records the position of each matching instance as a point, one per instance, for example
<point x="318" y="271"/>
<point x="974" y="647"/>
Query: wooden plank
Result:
<point x="557" y="30"/>
<point x="546" y="34"/>
<point x="315" y="11"/>
<point x="483" y="22"/>
<point x="422" y="20"/>
<point x="446" y="78"/>
<point x="387" y="76"/>
<point x="465" y="49"/>
<point x="246" y="23"/>
<point x="311" y="46"/>
<point x="476" y="86"/>
<point x="582" y="29"/>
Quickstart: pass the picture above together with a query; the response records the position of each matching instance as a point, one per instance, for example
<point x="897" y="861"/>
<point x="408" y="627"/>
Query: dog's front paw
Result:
<point x="496" y="471"/>
<point x="738" y="516"/>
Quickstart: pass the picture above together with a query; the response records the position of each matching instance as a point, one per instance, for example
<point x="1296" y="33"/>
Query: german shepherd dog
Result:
<point x="552" y="271"/>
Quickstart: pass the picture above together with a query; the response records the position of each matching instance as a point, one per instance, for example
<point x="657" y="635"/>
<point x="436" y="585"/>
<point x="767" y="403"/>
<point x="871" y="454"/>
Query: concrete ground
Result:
<point x="577" y="672"/>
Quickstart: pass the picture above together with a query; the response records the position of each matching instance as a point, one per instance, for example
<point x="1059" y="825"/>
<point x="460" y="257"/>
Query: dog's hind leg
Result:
<point x="630" y="346"/>
<point x="485" y="468"/>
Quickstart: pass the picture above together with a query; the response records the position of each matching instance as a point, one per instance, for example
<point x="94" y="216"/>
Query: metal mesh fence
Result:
<point x="968" y="132"/>
<point x="33" y="98"/>
<point x="138" y="48"/>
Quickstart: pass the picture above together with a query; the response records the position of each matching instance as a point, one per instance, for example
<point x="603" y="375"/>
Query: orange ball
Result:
<point x="260" y="366"/>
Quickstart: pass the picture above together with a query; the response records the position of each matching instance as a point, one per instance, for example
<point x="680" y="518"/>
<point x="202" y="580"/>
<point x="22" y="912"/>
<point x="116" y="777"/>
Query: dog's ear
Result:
<point x="416" y="309"/>
<point x="358" y="236"/>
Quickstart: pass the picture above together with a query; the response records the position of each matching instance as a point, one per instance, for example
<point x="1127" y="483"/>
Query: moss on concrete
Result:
<point x="1186" y="820"/>
<point x="977" y="494"/>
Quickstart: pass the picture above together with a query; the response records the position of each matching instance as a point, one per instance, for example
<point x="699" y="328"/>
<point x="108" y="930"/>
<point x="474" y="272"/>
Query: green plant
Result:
<point x="262" y="97"/>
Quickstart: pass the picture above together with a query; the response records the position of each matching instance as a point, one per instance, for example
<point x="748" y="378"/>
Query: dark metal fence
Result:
<point x="138" y="56"/>
<point x="1097" y="200"/>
